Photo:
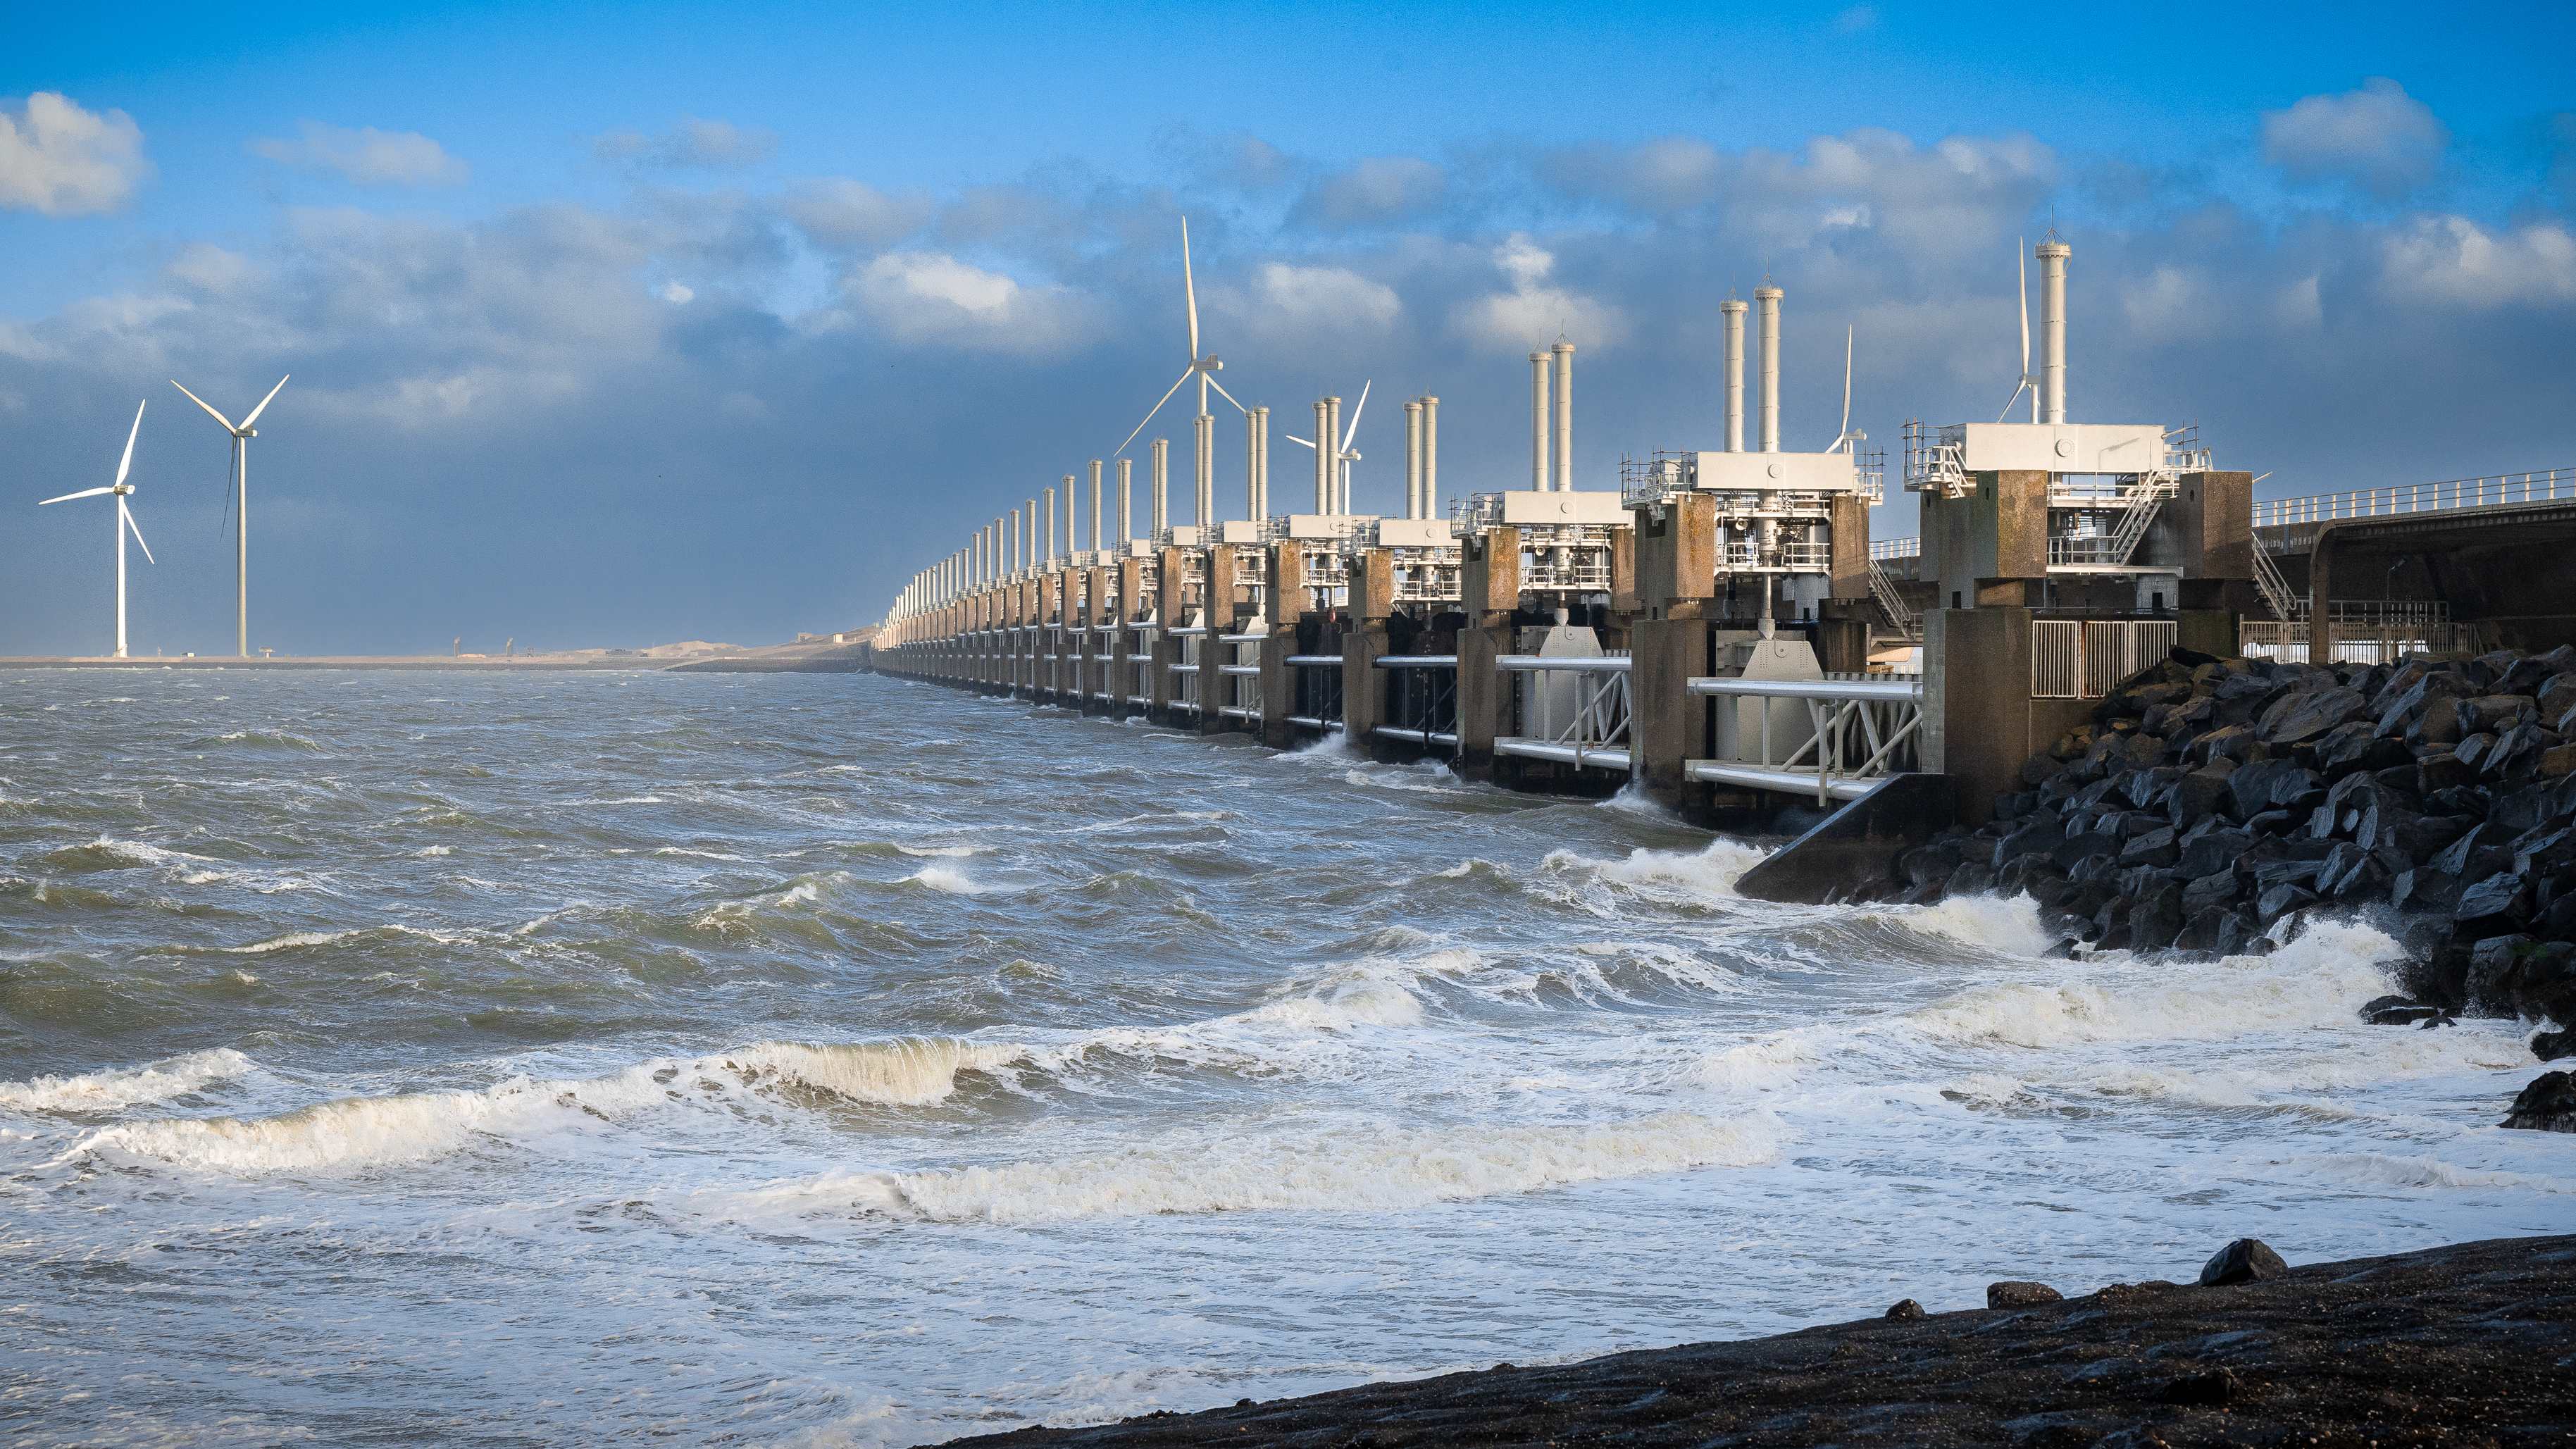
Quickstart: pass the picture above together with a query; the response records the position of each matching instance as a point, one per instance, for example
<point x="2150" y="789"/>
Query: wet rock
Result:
<point x="2211" y="852"/>
<point x="2495" y="713"/>
<point x="2309" y="715"/>
<point x="2271" y="784"/>
<point x="2029" y="1295"/>
<point x="2549" y="1046"/>
<point x="2247" y="1260"/>
<point x="2242" y="935"/>
<point x="2202" y="930"/>
<point x="2443" y="771"/>
<point x="2547" y="1105"/>
<point x="2215" y="1387"/>
<point x="2493" y="907"/>
<point x="2424" y="889"/>
<point x="1971" y="879"/>
<point x="2477" y="854"/>
<point x="1905" y="1310"/>
<point x="1931" y="862"/>
<point x="2397" y="1011"/>
<point x="2156" y="918"/>
<point x="2156" y="847"/>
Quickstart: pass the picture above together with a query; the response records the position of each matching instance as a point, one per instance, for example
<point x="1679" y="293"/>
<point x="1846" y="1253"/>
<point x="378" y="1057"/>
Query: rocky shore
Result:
<point x="2212" y="802"/>
<point x="2471" y="1347"/>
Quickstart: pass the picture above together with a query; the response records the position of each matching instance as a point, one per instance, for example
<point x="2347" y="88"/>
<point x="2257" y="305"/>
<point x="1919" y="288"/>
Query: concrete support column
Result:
<point x="2000" y="530"/>
<point x="1214" y="687"/>
<point x="1484" y="696"/>
<point x="1363" y="683"/>
<point x="1666" y="723"/>
<point x="1276" y="691"/>
<point x="1287" y="602"/>
<point x="1676" y="555"/>
<point x="2207" y="527"/>
<point x="1976" y="702"/>
<point x="1849" y="568"/>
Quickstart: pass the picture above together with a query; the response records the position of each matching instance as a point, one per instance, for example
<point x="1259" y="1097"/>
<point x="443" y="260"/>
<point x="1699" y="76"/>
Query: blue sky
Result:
<point x="624" y="324"/>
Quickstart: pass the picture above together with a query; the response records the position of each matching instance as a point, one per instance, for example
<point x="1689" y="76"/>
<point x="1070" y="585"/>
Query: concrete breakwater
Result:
<point x="2209" y="803"/>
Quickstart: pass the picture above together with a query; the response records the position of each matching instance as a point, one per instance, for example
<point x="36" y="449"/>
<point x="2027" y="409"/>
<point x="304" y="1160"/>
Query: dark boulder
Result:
<point x="2268" y="785"/>
<point x="2028" y="1295"/>
<point x="2547" y="1105"/>
<point x="2424" y="889"/>
<point x="2219" y="888"/>
<point x="2203" y="933"/>
<point x="2301" y="717"/>
<point x="2241" y="935"/>
<point x="2397" y="1011"/>
<point x="2156" y="918"/>
<point x="2477" y="854"/>
<point x="1905" y="1310"/>
<point x="2155" y="847"/>
<point x="2549" y="1046"/>
<point x="2495" y="713"/>
<point x="2247" y="1260"/>
<point x="2281" y="900"/>
<point x="2496" y="906"/>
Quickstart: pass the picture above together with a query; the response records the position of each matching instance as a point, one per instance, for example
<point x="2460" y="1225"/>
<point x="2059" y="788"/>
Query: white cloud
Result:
<point x="1326" y="296"/>
<point x="1533" y="313"/>
<point x="677" y="293"/>
<point x="60" y="160"/>
<point x="2378" y="136"/>
<point x="1374" y="191"/>
<point x="2166" y="304"/>
<point x="933" y="298"/>
<point x="694" y="144"/>
<point x="366" y="156"/>
<point x="839" y="214"/>
<point x="2451" y="259"/>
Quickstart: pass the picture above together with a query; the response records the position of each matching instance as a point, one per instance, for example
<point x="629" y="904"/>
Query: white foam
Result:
<point x="2007" y="926"/>
<point x="1370" y="1167"/>
<point x="1708" y="872"/>
<point x="525" y="1112"/>
<point x="2378" y="1169"/>
<point x="954" y="882"/>
<point x="2317" y="981"/>
<point x="125" y="1086"/>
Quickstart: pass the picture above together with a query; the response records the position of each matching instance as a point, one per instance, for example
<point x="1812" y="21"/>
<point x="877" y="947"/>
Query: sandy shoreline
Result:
<point x="2473" y="1344"/>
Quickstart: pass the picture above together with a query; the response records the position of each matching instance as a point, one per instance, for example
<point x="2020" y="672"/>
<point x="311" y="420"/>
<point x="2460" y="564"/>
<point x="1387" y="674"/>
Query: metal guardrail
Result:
<point x="2541" y="486"/>
<point x="2083" y="658"/>
<point x="1596" y="733"/>
<point x="1896" y="548"/>
<point x="1887" y="717"/>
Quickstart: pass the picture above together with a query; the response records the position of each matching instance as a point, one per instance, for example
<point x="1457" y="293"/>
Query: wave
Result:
<point x="2318" y="980"/>
<point x="126" y="1086"/>
<point x="522" y="1111"/>
<point x="1366" y="1168"/>
<point x="2376" y="1169"/>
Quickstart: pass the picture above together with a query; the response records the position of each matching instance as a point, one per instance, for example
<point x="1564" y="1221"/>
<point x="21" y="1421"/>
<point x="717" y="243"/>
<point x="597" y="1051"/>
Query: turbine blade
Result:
<point x="1149" y="415"/>
<point x="84" y="493"/>
<point x="2021" y="257"/>
<point x="210" y="411"/>
<point x="1300" y="442"/>
<point x="127" y="514"/>
<point x="2008" y="402"/>
<point x="1190" y="289"/>
<point x="1356" y="409"/>
<point x="127" y="462"/>
<point x="1847" y="356"/>
<point x="264" y="402"/>
<point x="1221" y="392"/>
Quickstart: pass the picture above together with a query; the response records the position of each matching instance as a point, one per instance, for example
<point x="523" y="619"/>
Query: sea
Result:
<point x="444" y="1058"/>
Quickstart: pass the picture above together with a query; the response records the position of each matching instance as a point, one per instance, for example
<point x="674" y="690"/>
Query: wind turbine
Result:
<point x="1847" y="435"/>
<point x="241" y="490"/>
<point x="1345" y="455"/>
<point x="124" y="520"/>
<point x="1204" y="367"/>
<point x="2029" y="383"/>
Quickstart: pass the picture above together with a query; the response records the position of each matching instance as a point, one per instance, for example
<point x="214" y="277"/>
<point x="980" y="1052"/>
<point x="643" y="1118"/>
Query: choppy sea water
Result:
<point x="447" y="1059"/>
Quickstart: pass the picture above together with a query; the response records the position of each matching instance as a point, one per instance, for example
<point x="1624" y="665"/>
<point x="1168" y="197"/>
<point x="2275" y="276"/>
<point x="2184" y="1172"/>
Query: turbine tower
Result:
<point x="1204" y="367"/>
<point x="1336" y="472"/>
<point x="124" y="521"/>
<point x="241" y="492"/>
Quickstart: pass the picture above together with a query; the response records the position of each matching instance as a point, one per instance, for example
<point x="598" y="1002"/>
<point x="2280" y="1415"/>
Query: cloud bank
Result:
<point x="723" y="411"/>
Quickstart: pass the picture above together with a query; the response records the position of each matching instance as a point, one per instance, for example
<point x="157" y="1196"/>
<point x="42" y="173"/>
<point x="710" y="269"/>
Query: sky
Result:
<point x="621" y="325"/>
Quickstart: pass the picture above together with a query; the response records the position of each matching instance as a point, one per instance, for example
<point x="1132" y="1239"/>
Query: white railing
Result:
<point x="2274" y="586"/>
<point x="1595" y="731"/>
<point x="2358" y="640"/>
<point x="1860" y="732"/>
<point x="2083" y="658"/>
<point x="2534" y="487"/>
<point x="1896" y="548"/>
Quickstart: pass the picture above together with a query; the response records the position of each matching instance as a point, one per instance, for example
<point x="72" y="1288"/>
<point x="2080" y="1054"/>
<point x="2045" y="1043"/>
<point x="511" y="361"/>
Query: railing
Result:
<point x="1320" y="696"/>
<point x="2275" y="588"/>
<point x="2084" y="658"/>
<point x="1422" y="698"/>
<point x="2359" y="640"/>
<point x="1860" y="733"/>
<point x="1891" y="602"/>
<point x="1895" y="548"/>
<point x="2535" y="487"/>
<point x="1595" y="732"/>
<point x="1245" y="679"/>
<point x="1187" y="691"/>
